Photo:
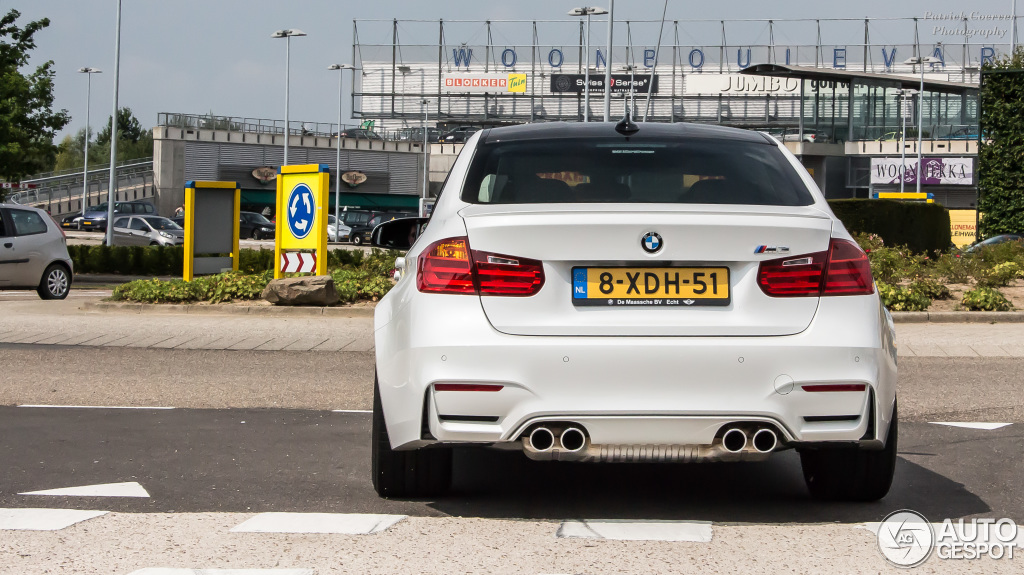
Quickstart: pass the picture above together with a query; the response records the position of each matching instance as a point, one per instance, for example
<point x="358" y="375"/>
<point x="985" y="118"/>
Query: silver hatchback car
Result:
<point x="147" y="231"/>
<point x="33" y="252"/>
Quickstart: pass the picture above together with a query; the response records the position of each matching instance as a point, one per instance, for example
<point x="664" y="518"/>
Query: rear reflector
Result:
<point x="449" y="266"/>
<point x="842" y="270"/>
<point x="467" y="387"/>
<point x="836" y="387"/>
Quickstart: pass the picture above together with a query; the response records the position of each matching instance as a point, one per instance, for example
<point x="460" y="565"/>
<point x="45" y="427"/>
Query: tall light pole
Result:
<point x="917" y="60"/>
<point x="337" y="173"/>
<point x="287" y="35"/>
<point x="903" y="94"/>
<point x="111" y="196"/>
<point x="1013" y="27"/>
<point x="608" y="64"/>
<point x="426" y="174"/>
<point x="88" y="106"/>
<point x="587" y="11"/>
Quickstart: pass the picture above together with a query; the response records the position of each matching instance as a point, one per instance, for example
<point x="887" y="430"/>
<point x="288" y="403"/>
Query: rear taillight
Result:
<point x="842" y="270"/>
<point x="449" y="266"/>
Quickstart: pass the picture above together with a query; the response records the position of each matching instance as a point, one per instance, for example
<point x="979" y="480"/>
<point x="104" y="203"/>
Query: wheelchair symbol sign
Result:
<point x="299" y="211"/>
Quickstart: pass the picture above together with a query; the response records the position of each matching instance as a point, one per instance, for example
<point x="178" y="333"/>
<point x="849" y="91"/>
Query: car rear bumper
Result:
<point x="632" y="391"/>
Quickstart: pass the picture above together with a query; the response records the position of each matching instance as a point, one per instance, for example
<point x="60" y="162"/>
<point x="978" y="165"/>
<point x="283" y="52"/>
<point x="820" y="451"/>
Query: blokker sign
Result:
<point x="514" y="83"/>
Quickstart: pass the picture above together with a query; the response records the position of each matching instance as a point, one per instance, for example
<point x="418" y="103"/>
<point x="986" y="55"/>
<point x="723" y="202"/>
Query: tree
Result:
<point x="128" y="128"/>
<point x="1001" y="154"/>
<point x="27" y="120"/>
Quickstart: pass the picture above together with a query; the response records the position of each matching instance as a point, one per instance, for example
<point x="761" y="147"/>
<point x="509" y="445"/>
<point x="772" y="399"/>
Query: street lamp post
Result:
<point x="426" y="174"/>
<point x="903" y="94"/>
<point x="337" y="173"/>
<point x="287" y="35"/>
<point x="587" y="11"/>
<point x="917" y="60"/>
<point x="111" y="195"/>
<point x="608" y="64"/>
<point x="88" y="105"/>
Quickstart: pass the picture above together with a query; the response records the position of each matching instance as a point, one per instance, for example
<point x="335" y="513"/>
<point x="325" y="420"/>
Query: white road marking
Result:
<point x="343" y="523"/>
<point x="127" y="489"/>
<point x="43" y="519"/>
<point x="173" y="571"/>
<point x="97" y="406"/>
<point x="644" y="530"/>
<point x="971" y="424"/>
<point x="351" y="411"/>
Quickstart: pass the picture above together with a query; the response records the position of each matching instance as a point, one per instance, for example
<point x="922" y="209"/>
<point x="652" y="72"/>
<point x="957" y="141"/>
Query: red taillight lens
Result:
<point x="842" y="270"/>
<point x="507" y="275"/>
<point x="796" y="276"/>
<point x="449" y="266"/>
<point x="445" y="267"/>
<point x="849" y="271"/>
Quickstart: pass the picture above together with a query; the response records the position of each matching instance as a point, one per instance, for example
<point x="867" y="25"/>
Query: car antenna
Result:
<point x="626" y="126"/>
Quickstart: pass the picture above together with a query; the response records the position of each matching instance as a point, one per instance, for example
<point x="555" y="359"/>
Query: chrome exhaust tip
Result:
<point x="765" y="440"/>
<point x="734" y="440"/>
<point x="541" y="439"/>
<point x="572" y="439"/>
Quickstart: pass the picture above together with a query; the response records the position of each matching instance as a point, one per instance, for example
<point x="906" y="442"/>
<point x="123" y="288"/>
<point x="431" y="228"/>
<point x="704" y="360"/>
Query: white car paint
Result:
<point x="633" y="379"/>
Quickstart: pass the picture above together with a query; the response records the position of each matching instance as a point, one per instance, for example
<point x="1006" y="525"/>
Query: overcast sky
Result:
<point x="202" y="56"/>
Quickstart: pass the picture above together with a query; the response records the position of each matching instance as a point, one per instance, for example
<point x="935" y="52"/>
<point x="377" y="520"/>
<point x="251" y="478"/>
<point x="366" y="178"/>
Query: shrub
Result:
<point x="892" y="265"/>
<point x="985" y="299"/>
<point x="1000" y="177"/>
<point x="999" y="275"/>
<point x="953" y="269"/>
<point x="869" y="242"/>
<point x="922" y="227"/>
<point x="930" y="288"/>
<point x="898" y="298"/>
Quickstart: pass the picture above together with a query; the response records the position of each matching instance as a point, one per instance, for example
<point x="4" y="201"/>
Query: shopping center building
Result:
<point x="837" y="92"/>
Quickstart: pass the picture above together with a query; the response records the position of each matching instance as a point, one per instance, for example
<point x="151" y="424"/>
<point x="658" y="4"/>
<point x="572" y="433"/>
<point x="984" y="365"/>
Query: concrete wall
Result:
<point x="169" y="175"/>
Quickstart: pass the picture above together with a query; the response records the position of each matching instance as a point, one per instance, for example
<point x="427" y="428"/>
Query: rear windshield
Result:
<point x="586" y="171"/>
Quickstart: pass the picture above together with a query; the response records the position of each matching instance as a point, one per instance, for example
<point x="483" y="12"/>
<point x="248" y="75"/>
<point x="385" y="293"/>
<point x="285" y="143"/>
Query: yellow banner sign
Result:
<point x="963" y="226"/>
<point x="301" y="219"/>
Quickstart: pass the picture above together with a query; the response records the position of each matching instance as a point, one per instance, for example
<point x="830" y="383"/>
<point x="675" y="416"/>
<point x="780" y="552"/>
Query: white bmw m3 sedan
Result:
<point x="632" y="293"/>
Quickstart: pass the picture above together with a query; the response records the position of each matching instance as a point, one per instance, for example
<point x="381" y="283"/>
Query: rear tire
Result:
<point x="851" y="474"/>
<point x="417" y="473"/>
<point x="56" y="283"/>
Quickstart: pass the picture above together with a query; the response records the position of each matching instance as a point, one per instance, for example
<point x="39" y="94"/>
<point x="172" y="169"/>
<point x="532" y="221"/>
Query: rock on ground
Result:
<point x="307" y="290"/>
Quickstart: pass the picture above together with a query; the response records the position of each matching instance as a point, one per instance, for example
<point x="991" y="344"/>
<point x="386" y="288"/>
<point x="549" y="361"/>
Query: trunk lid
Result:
<point x="609" y="236"/>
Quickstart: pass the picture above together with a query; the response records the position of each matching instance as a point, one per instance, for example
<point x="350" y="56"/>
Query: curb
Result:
<point x="160" y="309"/>
<point x="957" y="316"/>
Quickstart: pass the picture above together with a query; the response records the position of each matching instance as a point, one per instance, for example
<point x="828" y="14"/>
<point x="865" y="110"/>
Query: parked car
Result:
<point x="72" y="221"/>
<point x="95" y="217"/>
<point x="355" y="217"/>
<point x="254" y="226"/>
<point x="416" y="134"/>
<point x="889" y="137"/>
<point x="994" y="240"/>
<point x="333" y="230"/>
<point x="33" y="252"/>
<point x="361" y="134"/>
<point x="360" y="234"/>
<point x="700" y="302"/>
<point x="810" y="136"/>
<point x="458" y="135"/>
<point x="147" y="231"/>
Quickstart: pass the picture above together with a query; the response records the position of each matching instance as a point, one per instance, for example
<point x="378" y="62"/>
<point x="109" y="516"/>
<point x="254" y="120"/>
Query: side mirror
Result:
<point x="397" y="234"/>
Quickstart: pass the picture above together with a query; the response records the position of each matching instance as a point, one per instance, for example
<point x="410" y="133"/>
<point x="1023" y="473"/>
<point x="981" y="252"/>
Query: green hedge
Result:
<point x="919" y="226"/>
<point x="168" y="261"/>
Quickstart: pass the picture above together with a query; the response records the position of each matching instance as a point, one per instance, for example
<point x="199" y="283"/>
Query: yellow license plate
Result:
<point x="637" y="287"/>
<point x="87" y="223"/>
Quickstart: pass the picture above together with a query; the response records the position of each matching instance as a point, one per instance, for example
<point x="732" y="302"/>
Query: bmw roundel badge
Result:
<point x="651" y="242"/>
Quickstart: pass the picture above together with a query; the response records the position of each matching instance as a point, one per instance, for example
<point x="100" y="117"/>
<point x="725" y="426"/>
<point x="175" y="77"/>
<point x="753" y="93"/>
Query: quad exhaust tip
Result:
<point x="734" y="440"/>
<point x="541" y="439"/>
<point x="765" y="440"/>
<point x="572" y="439"/>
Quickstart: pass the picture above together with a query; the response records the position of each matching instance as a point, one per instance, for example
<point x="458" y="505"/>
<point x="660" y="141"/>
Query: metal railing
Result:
<point x="270" y="126"/>
<point x="60" y="186"/>
<point x="58" y="173"/>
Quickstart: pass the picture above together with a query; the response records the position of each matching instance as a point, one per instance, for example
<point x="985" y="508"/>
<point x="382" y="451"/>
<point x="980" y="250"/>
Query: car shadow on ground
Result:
<point x="506" y="484"/>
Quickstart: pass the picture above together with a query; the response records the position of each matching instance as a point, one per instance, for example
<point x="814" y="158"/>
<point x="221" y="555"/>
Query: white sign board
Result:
<point x="935" y="171"/>
<point x="738" y="84"/>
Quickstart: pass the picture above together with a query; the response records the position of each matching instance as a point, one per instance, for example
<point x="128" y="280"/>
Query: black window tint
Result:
<point x="148" y="209"/>
<point x="3" y="229"/>
<point x="636" y="172"/>
<point x="121" y="223"/>
<point x="138" y="224"/>
<point x="27" y="223"/>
